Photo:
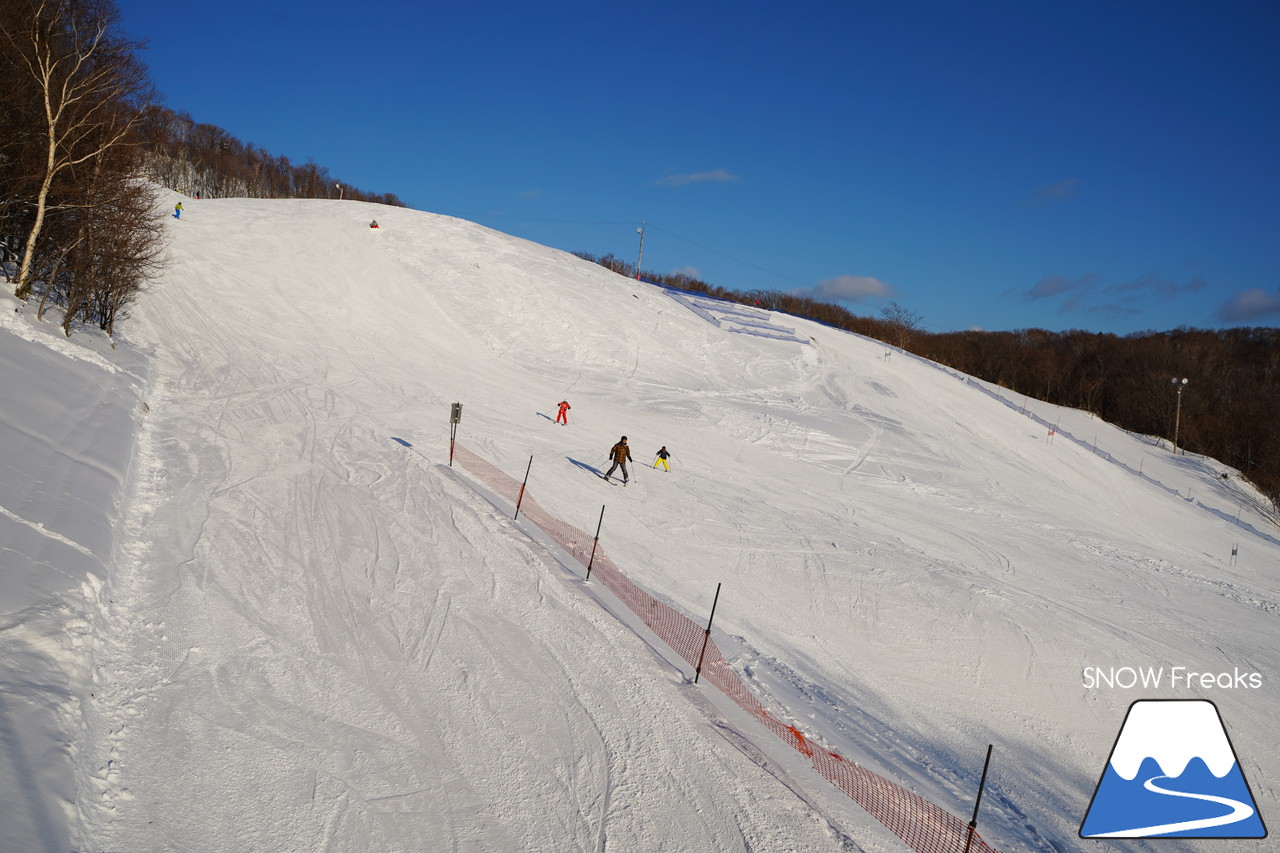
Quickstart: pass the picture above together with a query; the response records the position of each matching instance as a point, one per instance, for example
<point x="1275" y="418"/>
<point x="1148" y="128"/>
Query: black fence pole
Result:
<point x="455" y="417"/>
<point x="595" y="542"/>
<point x="520" y="497"/>
<point x="973" y="823"/>
<point x="698" y="672"/>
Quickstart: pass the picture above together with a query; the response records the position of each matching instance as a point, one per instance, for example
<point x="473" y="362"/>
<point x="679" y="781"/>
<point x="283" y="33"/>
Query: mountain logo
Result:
<point x="1173" y="773"/>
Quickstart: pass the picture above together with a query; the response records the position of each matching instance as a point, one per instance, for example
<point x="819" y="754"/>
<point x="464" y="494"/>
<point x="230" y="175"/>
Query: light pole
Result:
<point x="339" y="186"/>
<point x="640" y="257"/>
<point x="1177" y="417"/>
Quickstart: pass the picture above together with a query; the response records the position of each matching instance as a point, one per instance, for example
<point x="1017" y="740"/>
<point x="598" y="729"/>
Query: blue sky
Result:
<point x="1110" y="166"/>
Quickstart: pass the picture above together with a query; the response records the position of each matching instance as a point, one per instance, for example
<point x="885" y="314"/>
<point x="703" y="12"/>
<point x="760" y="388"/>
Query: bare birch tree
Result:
<point x="903" y="323"/>
<point x="90" y="89"/>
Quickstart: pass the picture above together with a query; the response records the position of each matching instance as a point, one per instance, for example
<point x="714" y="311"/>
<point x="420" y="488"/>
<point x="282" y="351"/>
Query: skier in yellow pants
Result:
<point x="663" y="455"/>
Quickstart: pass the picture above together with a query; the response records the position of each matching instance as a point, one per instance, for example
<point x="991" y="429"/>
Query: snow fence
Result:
<point x="922" y="825"/>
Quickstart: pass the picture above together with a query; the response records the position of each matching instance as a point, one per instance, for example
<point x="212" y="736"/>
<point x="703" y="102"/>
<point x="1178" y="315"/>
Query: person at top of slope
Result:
<point x="562" y="417"/>
<point x="621" y="455"/>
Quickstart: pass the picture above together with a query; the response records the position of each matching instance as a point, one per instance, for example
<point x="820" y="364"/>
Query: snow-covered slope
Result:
<point x="315" y="637"/>
<point x="68" y="413"/>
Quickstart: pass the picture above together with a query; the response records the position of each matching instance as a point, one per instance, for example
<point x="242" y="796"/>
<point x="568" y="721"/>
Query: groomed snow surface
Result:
<point x="247" y="606"/>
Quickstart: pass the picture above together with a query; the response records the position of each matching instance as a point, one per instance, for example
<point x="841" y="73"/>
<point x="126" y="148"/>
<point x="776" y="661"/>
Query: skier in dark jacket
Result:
<point x="621" y="455"/>
<point x="663" y="456"/>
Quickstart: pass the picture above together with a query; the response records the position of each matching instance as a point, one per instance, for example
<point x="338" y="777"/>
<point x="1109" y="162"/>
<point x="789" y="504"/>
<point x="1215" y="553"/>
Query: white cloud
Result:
<point x="1249" y="305"/>
<point x="1161" y="287"/>
<point x="850" y="288"/>
<point x="718" y="176"/>
<point x="1053" y="285"/>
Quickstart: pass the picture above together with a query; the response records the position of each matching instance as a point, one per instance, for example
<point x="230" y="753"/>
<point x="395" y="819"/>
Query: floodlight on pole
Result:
<point x="339" y="186"/>
<point x="640" y="257"/>
<point x="1177" y="417"/>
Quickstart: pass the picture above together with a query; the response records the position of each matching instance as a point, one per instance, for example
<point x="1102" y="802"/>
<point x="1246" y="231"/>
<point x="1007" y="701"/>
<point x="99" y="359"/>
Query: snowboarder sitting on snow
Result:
<point x="663" y="455"/>
<point x="373" y="224"/>
<point x="563" y="417"/>
<point x="621" y="455"/>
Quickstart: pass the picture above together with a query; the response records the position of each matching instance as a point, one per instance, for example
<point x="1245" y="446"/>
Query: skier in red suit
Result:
<point x="563" y="416"/>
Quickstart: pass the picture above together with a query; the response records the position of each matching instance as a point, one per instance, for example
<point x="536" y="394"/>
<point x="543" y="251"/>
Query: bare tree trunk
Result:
<point x="53" y="277"/>
<point x="42" y="198"/>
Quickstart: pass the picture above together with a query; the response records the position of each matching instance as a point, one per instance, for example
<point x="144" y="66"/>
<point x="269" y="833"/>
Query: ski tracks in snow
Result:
<point x="287" y="622"/>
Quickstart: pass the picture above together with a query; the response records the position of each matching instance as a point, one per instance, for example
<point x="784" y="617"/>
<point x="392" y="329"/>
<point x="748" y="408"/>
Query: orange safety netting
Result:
<point x="922" y="825"/>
